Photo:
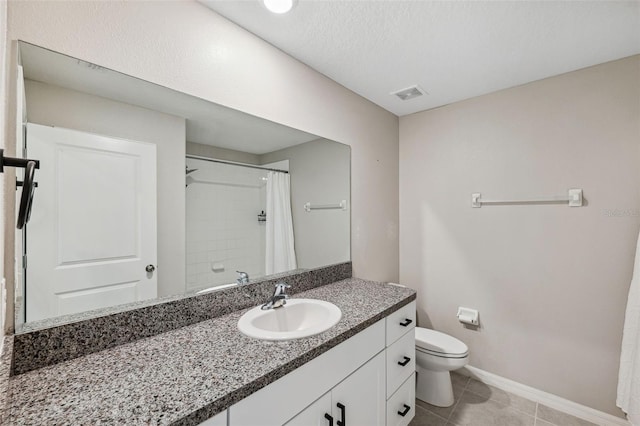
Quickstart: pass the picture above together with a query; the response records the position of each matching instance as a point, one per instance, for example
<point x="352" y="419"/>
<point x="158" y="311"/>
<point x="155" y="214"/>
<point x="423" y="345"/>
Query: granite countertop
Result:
<point x="184" y="376"/>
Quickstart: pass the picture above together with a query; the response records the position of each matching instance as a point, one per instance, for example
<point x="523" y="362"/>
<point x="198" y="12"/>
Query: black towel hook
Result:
<point x="28" y="185"/>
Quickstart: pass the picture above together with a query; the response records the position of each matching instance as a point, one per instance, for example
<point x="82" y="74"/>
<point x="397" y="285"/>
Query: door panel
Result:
<point x="82" y="300"/>
<point x="112" y="231"/>
<point x="363" y="395"/>
<point x="314" y="415"/>
<point x="93" y="226"/>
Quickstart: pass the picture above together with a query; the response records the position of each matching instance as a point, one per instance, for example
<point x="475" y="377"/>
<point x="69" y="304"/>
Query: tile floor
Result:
<point x="478" y="404"/>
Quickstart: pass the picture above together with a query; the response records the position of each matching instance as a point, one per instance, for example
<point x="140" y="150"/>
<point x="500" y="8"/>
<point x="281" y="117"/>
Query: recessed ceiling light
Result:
<point x="409" y="93"/>
<point x="279" y="6"/>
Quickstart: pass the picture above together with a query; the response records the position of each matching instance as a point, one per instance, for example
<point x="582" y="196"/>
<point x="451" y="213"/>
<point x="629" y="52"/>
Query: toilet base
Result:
<point x="434" y="387"/>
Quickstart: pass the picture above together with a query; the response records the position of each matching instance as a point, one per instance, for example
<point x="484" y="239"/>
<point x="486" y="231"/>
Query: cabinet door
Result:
<point x="315" y="414"/>
<point x="360" y="400"/>
<point x="219" y="419"/>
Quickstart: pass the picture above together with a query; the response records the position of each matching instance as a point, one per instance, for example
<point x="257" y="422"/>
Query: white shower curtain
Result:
<point x="629" y="376"/>
<point x="280" y="251"/>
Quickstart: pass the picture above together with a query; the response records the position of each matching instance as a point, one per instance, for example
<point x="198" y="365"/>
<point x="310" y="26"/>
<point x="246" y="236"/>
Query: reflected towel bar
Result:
<point x="28" y="184"/>
<point x="341" y="206"/>
<point x="211" y="182"/>
<point x="573" y="198"/>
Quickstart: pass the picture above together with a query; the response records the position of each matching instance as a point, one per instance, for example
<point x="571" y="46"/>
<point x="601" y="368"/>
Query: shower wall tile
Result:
<point x="222" y="224"/>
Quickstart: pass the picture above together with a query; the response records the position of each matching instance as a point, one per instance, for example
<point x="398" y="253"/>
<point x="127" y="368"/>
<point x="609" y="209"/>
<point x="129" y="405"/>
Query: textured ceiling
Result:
<point x="454" y="50"/>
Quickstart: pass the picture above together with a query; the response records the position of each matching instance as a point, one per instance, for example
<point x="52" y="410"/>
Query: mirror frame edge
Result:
<point x="9" y="185"/>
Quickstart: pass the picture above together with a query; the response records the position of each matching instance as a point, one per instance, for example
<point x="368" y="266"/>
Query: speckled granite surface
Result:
<point x="57" y="340"/>
<point x="185" y="376"/>
<point x="5" y="367"/>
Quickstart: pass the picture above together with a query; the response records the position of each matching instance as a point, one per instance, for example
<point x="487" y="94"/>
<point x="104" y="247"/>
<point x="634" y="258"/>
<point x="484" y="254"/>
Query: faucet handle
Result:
<point x="243" y="277"/>
<point x="281" y="290"/>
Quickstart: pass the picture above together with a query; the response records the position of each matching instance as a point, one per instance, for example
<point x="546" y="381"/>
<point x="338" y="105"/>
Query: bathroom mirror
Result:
<point x="145" y="192"/>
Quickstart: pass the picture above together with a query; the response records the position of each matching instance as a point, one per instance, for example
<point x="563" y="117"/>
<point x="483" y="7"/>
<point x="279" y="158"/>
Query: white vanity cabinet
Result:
<point x="357" y="400"/>
<point x="317" y="414"/>
<point x="360" y="382"/>
<point x="219" y="419"/>
<point x="401" y="366"/>
<point x="282" y="400"/>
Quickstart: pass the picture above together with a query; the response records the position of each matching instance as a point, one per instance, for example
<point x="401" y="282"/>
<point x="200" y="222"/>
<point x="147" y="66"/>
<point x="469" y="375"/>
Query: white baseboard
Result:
<point x="573" y="408"/>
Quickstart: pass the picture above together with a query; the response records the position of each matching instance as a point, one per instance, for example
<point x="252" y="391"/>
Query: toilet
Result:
<point x="436" y="355"/>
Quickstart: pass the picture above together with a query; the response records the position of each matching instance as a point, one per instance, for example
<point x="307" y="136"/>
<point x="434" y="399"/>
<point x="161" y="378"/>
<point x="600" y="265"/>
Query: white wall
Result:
<point x="221" y="153"/>
<point x="550" y="281"/>
<point x="55" y="106"/>
<point x="187" y="47"/>
<point x="320" y="174"/>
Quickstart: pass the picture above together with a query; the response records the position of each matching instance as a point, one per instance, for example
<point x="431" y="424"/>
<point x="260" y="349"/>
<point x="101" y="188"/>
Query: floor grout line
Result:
<point x="446" y="419"/>
<point x="455" y="405"/>
<point x="466" y="388"/>
<point x="456" y="402"/>
<point x="504" y="404"/>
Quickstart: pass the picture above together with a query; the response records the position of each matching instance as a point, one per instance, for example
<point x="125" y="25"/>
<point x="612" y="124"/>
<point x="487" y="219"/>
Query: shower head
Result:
<point x="190" y="170"/>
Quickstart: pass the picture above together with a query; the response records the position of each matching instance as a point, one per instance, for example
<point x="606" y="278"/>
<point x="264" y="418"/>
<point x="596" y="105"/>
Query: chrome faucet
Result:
<point x="279" y="297"/>
<point x="243" y="278"/>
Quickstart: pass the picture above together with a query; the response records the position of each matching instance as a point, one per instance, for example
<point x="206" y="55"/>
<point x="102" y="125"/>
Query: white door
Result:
<point x="359" y="400"/>
<point x="92" y="231"/>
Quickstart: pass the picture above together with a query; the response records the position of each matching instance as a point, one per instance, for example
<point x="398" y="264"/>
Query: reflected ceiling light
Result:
<point x="279" y="6"/>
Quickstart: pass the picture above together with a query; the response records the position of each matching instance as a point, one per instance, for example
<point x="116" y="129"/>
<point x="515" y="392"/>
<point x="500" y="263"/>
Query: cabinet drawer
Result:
<point x="401" y="407"/>
<point x="400" y="322"/>
<point x="401" y="362"/>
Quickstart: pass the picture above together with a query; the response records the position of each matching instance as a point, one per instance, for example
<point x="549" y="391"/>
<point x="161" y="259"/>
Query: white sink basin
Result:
<point x="297" y="319"/>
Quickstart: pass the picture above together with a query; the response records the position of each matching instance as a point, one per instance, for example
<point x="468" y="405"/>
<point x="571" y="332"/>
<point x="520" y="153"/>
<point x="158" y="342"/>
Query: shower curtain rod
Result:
<point x="197" y="157"/>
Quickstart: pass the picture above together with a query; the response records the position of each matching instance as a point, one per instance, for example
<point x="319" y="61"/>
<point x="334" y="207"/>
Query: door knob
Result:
<point x="150" y="268"/>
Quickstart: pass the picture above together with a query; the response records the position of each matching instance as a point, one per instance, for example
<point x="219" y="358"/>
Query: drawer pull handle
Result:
<point x="405" y="411"/>
<point x="328" y="417"/>
<point x="405" y="362"/>
<point x="343" y="415"/>
<point x="406" y="322"/>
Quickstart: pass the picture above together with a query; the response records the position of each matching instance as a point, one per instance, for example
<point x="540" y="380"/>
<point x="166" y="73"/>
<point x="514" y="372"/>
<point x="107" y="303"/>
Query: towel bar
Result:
<point x="342" y="206"/>
<point x="573" y="198"/>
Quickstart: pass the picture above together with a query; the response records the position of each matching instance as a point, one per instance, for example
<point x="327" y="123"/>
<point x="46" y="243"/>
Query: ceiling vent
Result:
<point x="409" y="93"/>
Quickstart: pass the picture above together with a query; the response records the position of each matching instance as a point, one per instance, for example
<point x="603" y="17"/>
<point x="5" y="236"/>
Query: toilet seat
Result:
<point x="439" y="344"/>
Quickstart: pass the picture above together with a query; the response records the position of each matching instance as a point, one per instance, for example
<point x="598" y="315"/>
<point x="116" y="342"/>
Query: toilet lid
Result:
<point x="439" y="343"/>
